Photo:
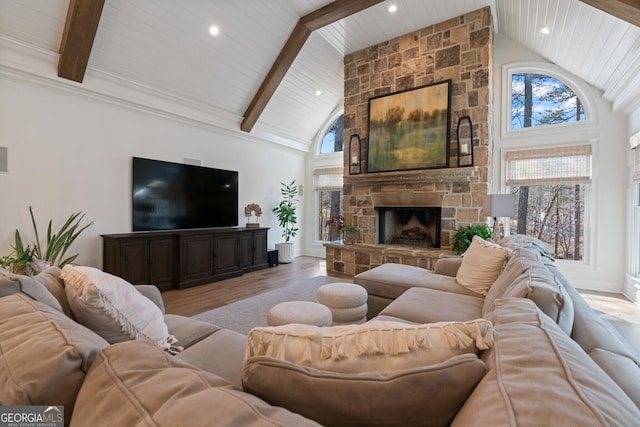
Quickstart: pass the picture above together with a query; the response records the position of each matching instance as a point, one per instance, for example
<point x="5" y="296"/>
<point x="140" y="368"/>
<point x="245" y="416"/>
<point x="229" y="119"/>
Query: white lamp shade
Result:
<point x="499" y="205"/>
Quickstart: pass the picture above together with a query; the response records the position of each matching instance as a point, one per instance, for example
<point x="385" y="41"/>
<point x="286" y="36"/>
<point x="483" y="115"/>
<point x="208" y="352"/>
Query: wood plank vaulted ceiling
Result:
<point x="262" y="72"/>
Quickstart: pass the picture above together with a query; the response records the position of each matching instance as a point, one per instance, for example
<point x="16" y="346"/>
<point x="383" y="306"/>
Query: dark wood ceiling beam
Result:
<point x="326" y="15"/>
<point x="627" y="10"/>
<point x="83" y="17"/>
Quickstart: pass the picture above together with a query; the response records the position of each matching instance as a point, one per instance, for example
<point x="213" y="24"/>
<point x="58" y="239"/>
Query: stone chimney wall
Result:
<point x="460" y="49"/>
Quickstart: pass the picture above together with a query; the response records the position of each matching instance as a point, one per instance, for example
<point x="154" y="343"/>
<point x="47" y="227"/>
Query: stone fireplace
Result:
<point x="460" y="49"/>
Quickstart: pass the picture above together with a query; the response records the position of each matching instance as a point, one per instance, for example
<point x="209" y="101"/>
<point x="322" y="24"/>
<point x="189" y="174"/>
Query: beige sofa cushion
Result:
<point x="11" y="284"/>
<point x="392" y="280"/>
<point x="540" y="376"/>
<point x="421" y="305"/>
<point x="542" y="287"/>
<point x="422" y="396"/>
<point x="134" y="384"/>
<point x="517" y="241"/>
<point x="519" y="262"/>
<point x="371" y="347"/>
<point x="221" y="353"/>
<point x="622" y="369"/>
<point x="188" y="331"/>
<point x="113" y="308"/>
<point x="44" y="355"/>
<point x="481" y="264"/>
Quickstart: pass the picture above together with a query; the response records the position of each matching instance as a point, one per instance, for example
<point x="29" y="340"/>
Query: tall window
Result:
<point x="539" y="100"/>
<point x="333" y="139"/>
<point x="551" y="186"/>
<point x="328" y="186"/>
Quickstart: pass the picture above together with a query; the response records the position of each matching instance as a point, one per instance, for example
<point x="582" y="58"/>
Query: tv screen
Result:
<point x="174" y="196"/>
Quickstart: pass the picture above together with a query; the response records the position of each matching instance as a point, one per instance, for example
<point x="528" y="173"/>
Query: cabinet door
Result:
<point x="196" y="259"/>
<point x="227" y="259"/>
<point x="260" y="248"/>
<point x="246" y="250"/>
<point x="161" y="263"/>
<point x="134" y="261"/>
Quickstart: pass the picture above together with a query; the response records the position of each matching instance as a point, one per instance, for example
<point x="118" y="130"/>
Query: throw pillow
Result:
<point x="481" y="265"/>
<point x="50" y="278"/>
<point x="44" y="355"/>
<point x="428" y="395"/>
<point x="113" y="308"/>
<point x="517" y="241"/>
<point x="11" y="284"/>
<point x="376" y="346"/>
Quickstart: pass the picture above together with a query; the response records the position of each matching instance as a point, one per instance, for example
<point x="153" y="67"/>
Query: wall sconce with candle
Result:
<point x="355" y="155"/>
<point x="465" y="144"/>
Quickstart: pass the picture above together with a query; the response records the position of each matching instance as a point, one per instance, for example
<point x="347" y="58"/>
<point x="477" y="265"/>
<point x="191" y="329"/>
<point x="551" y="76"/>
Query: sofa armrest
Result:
<point x="153" y="294"/>
<point x="447" y="266"/>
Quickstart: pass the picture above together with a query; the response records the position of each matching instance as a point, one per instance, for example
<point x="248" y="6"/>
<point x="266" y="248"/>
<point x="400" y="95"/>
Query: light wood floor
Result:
<point x="188" y="302"/>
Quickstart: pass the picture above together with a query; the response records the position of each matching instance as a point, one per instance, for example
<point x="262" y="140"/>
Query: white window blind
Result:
<point x="327" y="178"/>
<point x="553" y="165"/>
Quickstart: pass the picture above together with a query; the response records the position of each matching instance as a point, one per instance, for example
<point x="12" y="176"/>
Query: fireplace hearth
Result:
<point x="416" y="226"/>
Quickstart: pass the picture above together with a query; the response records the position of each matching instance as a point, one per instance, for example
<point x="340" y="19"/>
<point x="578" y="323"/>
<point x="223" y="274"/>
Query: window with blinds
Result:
<point x="327" y="178"/>
<point x="327" y="183"/>
<point x="550" y="185"/>
<point x="554" y="165"/>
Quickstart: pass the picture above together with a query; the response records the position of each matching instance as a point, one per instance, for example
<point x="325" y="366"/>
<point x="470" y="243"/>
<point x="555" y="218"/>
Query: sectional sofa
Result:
<point x="498" y="338"/>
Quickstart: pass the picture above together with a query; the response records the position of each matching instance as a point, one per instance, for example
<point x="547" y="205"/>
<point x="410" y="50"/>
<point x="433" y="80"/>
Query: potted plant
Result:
<point x="27" y="260"/>
<point x="20" y="261"/>
<point x="335" y="224"/>
<point x="350" y="234"/>
<point x="286" y="214"/>
<point x="464" y="235"/>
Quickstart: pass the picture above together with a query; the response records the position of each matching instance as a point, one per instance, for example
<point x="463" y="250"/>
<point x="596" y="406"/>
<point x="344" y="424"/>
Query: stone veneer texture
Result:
<point x="460" y="49"/>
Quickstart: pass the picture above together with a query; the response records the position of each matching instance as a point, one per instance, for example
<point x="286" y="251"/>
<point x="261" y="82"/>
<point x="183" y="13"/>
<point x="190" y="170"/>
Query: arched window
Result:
<point x="327" y="167"/>
<point x="333" y="139"/>
<point x="541" y="100"/>
<point x="551" y="182"/>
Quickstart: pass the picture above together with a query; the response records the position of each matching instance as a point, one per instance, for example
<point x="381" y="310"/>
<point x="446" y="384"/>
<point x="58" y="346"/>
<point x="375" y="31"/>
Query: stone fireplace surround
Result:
<point x="459" y="49"/>
<point x="458" y="193"/>
<point x="450" y="189"/>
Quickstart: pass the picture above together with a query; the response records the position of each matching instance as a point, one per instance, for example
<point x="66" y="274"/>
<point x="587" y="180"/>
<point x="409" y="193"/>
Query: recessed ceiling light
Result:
<point x="392" y="8"/>
<point x="318" y="92"/>
<point x="214" y="30"/>
<point x="545" y="30"/>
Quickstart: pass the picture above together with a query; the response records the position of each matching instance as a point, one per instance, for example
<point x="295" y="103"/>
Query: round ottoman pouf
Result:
<point x="347" y="302"/>
<point x="305" y="312"/>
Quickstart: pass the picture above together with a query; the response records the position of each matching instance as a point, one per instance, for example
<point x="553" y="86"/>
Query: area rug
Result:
<point x="242" y="316"/>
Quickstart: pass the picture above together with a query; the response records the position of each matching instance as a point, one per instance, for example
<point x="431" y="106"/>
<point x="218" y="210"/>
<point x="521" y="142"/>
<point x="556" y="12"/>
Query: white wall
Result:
<point x="71" y="151"/>
<point x="607" y="207"/>
<point x="632" y="282"/>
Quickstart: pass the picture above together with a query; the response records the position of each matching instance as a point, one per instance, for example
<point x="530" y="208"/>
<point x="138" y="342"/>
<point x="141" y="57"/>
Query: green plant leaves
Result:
<point x="464" y="235"/>
<point x="57" y="243"/>
<point x="286" y="210"/>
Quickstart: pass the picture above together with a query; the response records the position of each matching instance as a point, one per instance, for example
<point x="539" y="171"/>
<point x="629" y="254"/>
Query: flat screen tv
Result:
<point x="174" y="196"/>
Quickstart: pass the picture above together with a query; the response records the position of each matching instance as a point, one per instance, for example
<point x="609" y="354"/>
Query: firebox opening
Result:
<point x="417" y="226"/>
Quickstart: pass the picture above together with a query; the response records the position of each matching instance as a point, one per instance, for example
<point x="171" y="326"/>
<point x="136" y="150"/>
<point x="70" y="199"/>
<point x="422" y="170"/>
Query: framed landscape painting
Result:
<point x="410" y="129"/>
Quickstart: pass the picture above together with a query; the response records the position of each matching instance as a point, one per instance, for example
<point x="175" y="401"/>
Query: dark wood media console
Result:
<point x="185" y="258"/>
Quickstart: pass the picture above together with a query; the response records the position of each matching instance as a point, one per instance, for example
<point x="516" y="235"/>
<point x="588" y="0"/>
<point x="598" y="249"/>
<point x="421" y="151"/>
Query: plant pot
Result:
<point x="285" y="252"/>
<point x="351" y="237"/>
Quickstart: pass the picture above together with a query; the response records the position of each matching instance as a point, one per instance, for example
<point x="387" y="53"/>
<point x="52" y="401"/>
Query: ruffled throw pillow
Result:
<point x="375" y="346"/>
<point x="113" y="308"/>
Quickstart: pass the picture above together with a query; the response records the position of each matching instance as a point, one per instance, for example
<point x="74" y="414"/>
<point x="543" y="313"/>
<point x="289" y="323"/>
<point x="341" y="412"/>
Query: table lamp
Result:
<point x="499" y="206"/>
